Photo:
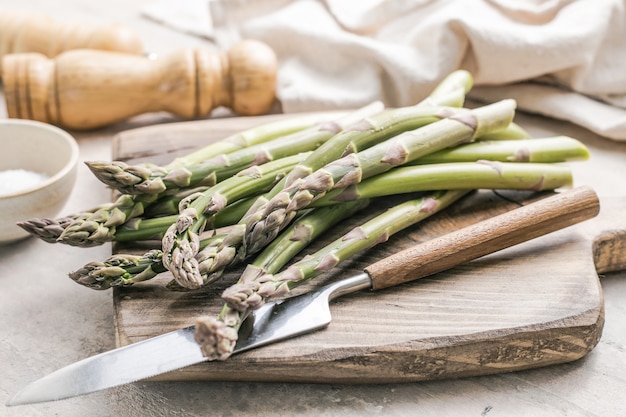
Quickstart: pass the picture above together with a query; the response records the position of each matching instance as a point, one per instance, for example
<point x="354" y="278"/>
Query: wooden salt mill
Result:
<point x="86" y="89"/>
<point x="32" y="32"/>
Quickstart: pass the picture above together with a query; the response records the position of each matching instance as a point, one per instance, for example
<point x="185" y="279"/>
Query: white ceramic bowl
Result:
<point x="41" y="148"/>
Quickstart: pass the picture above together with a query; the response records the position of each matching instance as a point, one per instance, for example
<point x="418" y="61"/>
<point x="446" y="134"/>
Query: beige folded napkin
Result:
<point x="560" y="58"/>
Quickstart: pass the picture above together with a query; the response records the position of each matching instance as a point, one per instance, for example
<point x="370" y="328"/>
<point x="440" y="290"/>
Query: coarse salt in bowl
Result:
<point x="38" y="164"/>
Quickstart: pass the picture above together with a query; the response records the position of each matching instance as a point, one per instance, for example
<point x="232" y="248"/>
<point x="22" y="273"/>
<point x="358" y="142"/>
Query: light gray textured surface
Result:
<point x="48" y="321"/>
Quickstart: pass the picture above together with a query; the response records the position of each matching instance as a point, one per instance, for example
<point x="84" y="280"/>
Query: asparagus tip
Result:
<point x="47" y="230"/>
<point x="216" y="339"/>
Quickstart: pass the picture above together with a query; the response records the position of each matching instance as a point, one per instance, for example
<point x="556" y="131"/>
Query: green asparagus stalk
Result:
<point x="215" y="258"/>
<point x="217" y="335"/>
<point x="354" y="137"/>
<point x="454" y="176"/>
<point x="353" y="168"/>
<point x="49" y="230"/>
<point x="99" y="226"/>
<point x="117" y="172"/>
<point x="180" y="242"/>
<point x="378" y="128"/>
<point x="138" y="229"/>
<point x="441" y="103"/>
<point x="550" y="149"/>
<point x="302" y="232"/>
<point x="363" y="134"/>
<point x="511" y="132"/>
<point x="122" y="270"/>
<point x="153" y="223"/>
<point x="153" y="179"/>
<point x="251" y="137"/>
<point x="546" y="150"/>
<point x="119" y="270"/>
<point x="450" y="91"/>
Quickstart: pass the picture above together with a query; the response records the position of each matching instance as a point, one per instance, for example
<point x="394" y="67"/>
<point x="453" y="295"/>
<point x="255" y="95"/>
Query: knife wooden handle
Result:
<point x="86" y="89"/>
<point x="500" y="232"/>
<point x="35" y="32"/>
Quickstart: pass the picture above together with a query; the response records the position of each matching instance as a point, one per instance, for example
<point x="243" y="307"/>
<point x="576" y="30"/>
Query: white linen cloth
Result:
<point x="565" y="59"/>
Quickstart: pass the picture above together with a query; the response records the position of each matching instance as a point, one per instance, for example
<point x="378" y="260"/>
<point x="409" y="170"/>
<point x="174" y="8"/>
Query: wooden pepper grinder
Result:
<point x="86" y="89"/>
<point x="32" y="32"/>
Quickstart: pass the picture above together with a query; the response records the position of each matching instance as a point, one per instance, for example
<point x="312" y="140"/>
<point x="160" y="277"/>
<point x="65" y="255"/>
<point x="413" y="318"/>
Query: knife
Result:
<point x="295" y="316"/>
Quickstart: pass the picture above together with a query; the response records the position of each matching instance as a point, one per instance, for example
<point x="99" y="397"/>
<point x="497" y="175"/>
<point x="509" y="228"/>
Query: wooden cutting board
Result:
<point x="533" y="305"/>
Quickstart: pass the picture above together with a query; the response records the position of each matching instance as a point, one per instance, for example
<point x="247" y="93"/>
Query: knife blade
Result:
<point x="273" y="322"/>
<point x="295" y="316"/>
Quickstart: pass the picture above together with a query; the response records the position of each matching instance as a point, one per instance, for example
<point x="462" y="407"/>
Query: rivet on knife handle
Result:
<point x="500" y="232"/>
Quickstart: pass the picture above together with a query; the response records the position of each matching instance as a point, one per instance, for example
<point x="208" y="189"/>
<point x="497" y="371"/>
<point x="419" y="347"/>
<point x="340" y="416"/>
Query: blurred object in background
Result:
<point x="338" y="54"/>
<point x="87" y="89"/>
<point x="227" y="16"/>
<point x="32" y="32"/>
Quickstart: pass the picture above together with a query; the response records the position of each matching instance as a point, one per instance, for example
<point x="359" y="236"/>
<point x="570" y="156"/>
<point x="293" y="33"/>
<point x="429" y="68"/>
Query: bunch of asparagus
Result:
<point x="260" y="197"/>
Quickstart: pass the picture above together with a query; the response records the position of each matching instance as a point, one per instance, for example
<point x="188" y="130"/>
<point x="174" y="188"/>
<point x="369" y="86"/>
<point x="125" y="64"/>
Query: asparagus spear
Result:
<point x="217" y="335"/>
<point x="153" y="179"/>
<point x="240" y="140"/>
<point x="216" y="257"/>
<point x="450" y="91"/>
<point x="97" y="228"/>
<point x="372" y="130"/>
<point x="119" y="270"/>
<point x="351" y="169"/>
<point x="547" y="150"/>
<point x="181" y="241"/>
<point x="49" y="230"/>
<point x="153" y="222"/>
<point x="137" y="229"/>
<point x="550" y="149"/>
<point x="250" y="137"/>
<point x="512" y="131"/>
<point x="454" y="176"/>
<point x="402" y="180"/>
<point x="363" y="134"/>
<point x="98" y="225"/>
<point x="101" y="226"/>
<point x="123" y="270"/>
<point x="302" y="232"/>
<point x="477" y="175"/>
